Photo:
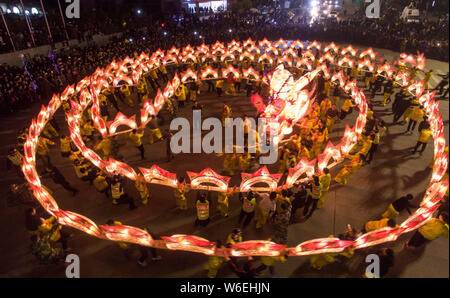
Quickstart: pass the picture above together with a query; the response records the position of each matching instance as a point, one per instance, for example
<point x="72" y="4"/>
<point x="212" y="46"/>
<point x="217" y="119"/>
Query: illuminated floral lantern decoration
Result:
<point x="128" y="234"/>
<point x="340" y="77"/>
<point x="227" y="56"/>
<point x="78" y="221"/>
<point x="369" y="52"/>
<point x="173" y="51"/>
<point x="281" y="43"/>
<point x="260" y="176"/>
<point x="298" y="44"/>
<point x="265" y="43"/>
<point x="208" y="58"/>
<point x="190" y="243"/>
<point x="121" y="119"/>
<point x="386" y="69"/>
<point x="331" y="47"/>
<point x="348" y="50"/>
<point x="321" y="246"/>
<point x="230" y="69"/>
<point x="304" y="166"/>
<point x="249" y="42"/>
<point x="266" y="58"/>
<point x="170" y="59"/>
<point x="251" y="73"/>
<point x="257" y="248"/>
<point x="314" y="44"/>
<point x="345" y="61"/>
<point x="160" y="176"/>
<point x="209" y="73"/>
<point x="208" y="176"/>
<point x="188" y="75"/>
<point x="366" y="64"/>
<point x="121" y="168"/>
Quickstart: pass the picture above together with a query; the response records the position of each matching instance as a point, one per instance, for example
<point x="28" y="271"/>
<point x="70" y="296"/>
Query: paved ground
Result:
<point x="392" y="173"/>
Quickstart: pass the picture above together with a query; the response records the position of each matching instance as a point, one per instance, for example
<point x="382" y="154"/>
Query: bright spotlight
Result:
<point x="34" y="11"/>
<point x="139" y="11"/>
<point x="27" y="12"/>
<point x="16" y="10"/>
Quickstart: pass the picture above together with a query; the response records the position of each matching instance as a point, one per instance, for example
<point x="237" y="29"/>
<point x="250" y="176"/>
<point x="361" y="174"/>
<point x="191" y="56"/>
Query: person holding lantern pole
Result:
<point x="136" y="137"/>
<point x="222" y="202"/>
<point x="101" y="183"/>
<point x="265" y="209"/>
<point x="43" y="151"/>
<point x="180" y="194"/>
<point x="219" y="87"/>
<point x="106" y="146"/>
<point x="325" y="180"/>
<point x="202" y="206"/>
<point x="424" y="137"/>
<point x="248" y="208"/>
<point x="142" y="188"/>
<point x="214" y="262"/>
<point x="155" y="132"/>
<point x="118" y="194"/>
<point x="226" y="113"/>
<point x="313" y="199"/>
<point x="125" y="91"/>
<point x="180" y="93"/>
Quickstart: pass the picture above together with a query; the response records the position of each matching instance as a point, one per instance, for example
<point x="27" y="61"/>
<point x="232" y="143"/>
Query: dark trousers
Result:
<point x="219" y="91"/>
<point x="203" y="223"/>
<point x="248" y="217"/>
<point x="181" y="103"/>
<point x="417" y="240"/>
<point x="398" y="115"/>
<point x="424" y="145"/>
<point x="343" y="114"/>
<point x="144" y="253"/>
<point x="310" y="202"/>
<point x="210" y="86"/>
<point x="113" y="100"/>
<point x="125" y="199"/>
<point x="237" y="86"/>
<point x="141" y="149"/>
<point x="411" y="125"/>
<point x="372" y="151"/>
<point x="263" y="267"/>
<point x="249" y="90"/>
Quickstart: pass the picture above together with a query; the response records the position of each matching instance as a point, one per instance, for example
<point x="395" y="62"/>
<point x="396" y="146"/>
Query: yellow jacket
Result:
<point x="376" y="224"/>
<point x="42" y="146"/>
<point x="100" y="183"/>
<point x="347" y="105"/>
<point x="417" y="114"/>
<point x="104" y="145"/>
<point x="433" y="229"/>
<point x="425" y="135"/>
<point x="65" y="144"/>
<point x="136" y="138"/>
<point x="325" y="180"/>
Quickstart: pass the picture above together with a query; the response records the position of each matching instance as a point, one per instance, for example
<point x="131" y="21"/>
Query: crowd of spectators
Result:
<point x="41" y="76"/>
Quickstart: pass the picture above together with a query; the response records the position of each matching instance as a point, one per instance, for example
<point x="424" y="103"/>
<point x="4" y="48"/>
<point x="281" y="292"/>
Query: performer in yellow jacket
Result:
<point x="142" y="188"/>
<point x="433" y="229"/>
